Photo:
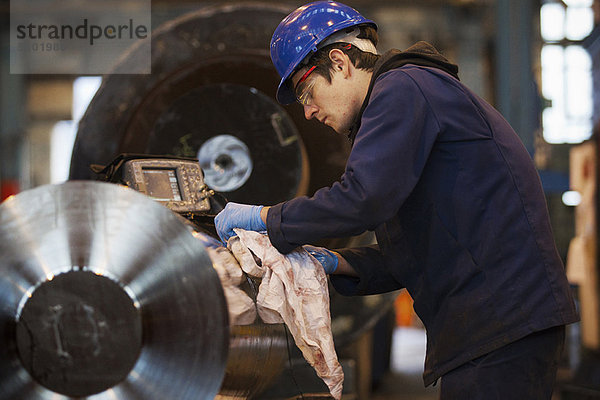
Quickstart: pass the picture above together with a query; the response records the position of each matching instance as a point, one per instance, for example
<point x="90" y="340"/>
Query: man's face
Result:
<point x="329" y="102"/>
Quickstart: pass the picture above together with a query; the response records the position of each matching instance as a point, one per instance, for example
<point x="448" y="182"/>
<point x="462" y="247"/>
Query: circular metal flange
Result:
<point x="105" y="291"/>
<point x="248" y="147"/>
<point x="226" y="162"/>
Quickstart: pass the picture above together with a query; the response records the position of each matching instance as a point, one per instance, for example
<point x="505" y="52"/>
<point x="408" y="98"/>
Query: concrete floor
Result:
<point x="404" y="381"/>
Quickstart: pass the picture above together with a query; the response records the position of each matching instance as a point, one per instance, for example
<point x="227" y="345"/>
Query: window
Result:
<point x="566" y="70"/>
<point x="64" y="132"/>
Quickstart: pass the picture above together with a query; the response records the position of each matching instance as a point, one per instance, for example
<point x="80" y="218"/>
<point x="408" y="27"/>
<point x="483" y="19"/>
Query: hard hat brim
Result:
<point x="285" y="95"/>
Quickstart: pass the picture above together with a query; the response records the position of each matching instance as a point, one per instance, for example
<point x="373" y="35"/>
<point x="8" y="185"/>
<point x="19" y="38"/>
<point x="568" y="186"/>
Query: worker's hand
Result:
<point x="326" y="258"/>
<point x="238" y="216"/>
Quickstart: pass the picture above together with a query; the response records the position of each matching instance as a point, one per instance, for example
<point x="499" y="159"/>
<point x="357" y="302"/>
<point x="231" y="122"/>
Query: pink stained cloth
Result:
<point x="294" y="289"/>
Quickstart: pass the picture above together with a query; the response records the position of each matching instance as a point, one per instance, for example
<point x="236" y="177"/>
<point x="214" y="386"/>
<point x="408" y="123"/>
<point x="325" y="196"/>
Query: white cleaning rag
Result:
<point x="293" y="289"/>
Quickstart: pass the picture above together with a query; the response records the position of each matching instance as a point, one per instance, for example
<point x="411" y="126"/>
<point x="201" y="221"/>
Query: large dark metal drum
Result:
<point x="211" y="95"/>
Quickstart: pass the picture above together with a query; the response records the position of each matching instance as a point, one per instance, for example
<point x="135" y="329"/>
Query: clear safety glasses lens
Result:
<point x="305" y="95"/>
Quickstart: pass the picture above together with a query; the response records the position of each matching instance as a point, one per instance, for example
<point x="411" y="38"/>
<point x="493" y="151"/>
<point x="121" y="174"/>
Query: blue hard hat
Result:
<point x="300" y="33"/>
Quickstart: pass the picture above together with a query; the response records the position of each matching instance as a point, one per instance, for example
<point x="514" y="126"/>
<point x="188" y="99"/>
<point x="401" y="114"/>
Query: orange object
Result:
<point x="405" y="314"/>
<point x="8" y="187"/>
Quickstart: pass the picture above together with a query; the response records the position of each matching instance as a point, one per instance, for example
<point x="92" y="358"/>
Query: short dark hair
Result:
<point x="360" y="59"/>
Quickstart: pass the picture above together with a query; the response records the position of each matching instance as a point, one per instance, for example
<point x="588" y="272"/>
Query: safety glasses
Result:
<point x="304" y="88"/>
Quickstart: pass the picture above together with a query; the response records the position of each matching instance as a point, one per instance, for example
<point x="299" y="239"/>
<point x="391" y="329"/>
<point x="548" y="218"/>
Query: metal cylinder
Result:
<point x="104" y="292"/>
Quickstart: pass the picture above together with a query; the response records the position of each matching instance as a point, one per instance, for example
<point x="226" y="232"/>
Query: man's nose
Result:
<point x="310" y="111"/>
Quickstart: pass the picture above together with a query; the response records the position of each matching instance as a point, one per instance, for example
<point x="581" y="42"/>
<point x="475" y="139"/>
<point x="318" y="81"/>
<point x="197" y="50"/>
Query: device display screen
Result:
<point x="161" y="184"/>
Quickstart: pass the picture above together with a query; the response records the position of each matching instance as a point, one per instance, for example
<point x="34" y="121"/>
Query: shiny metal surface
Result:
<point x="258" y="352"/>
<point x="107" y="231"/>
<point x="226" y="162"/>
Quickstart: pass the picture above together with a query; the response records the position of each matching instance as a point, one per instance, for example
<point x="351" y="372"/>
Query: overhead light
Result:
<point x="571" y="198"/>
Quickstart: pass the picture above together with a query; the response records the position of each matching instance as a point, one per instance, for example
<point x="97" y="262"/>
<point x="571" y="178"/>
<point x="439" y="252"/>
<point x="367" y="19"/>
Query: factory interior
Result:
<point x="201" y="87"/>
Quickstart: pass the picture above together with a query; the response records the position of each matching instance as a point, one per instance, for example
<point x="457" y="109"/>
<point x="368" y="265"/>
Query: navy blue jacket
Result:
<point x="459" y="215"/>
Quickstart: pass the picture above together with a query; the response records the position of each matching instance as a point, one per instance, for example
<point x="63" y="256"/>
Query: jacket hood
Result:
<point x="421" y="53"/>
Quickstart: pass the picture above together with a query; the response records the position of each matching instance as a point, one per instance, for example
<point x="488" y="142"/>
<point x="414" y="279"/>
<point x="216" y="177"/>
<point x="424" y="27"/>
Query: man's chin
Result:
<point x="337" y="129"/>
<point x="340" y="130"/>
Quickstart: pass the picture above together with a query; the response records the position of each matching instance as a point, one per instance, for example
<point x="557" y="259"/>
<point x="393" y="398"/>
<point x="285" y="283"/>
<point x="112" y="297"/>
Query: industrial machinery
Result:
<point x="176" y="182"/>
<point x="110" y="293"/>
<point x="104" y="293"/>
<point x="107" y="293"/>
<point x="211" y="96"/>
<point x="112" y="263"/>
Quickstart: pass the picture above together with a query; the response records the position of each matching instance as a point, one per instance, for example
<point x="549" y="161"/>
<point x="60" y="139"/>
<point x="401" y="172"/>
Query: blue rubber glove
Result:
<point x="236" y="215"/>
<point x="326" y="258"/>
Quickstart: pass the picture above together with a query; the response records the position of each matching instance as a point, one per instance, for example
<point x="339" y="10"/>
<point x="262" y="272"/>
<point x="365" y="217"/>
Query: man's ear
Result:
<point x="339" y="61"/>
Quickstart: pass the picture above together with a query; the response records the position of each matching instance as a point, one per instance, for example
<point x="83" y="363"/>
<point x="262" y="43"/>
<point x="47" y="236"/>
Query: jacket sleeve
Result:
<point x="372" y="278"/>
<point x="398" y="130"/>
